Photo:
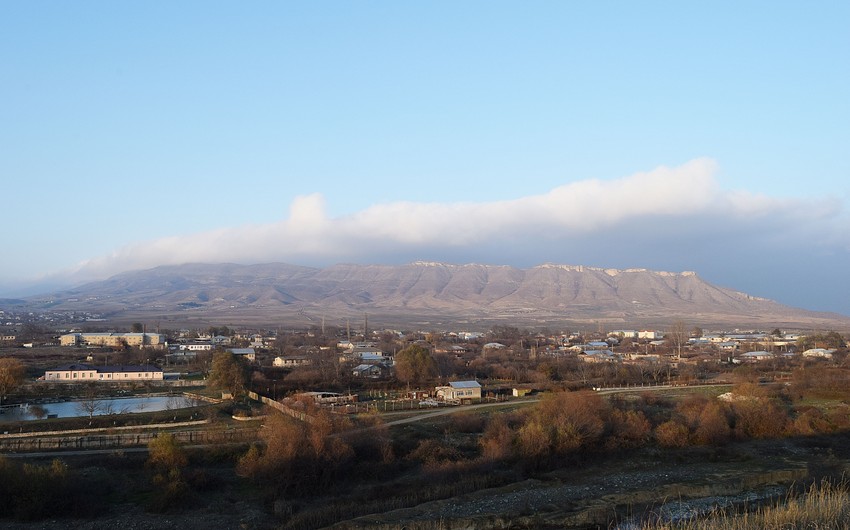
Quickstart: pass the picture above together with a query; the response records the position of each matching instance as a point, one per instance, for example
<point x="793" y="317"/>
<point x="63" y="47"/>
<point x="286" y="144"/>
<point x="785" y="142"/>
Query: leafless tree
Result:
<point x="90" y="405"/>
<point x="678" y="337"/>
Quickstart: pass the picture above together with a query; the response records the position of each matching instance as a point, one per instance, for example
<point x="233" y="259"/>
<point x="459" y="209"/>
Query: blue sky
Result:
<point x="670" y="136"/>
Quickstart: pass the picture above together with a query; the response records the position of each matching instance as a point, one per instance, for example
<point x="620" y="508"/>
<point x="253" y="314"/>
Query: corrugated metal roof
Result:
<point x="465" y="384"/>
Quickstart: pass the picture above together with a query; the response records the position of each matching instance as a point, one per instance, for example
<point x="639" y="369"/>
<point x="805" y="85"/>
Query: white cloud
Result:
<point x="685" y="201"/>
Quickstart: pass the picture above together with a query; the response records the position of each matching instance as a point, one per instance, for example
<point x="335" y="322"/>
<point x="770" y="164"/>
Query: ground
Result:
<point x="675" y="483"/>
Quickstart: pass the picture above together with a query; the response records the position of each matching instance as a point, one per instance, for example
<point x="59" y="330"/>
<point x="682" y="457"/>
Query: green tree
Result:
<point x="415" y="364"/>
<point x="228" y="373"/>
<point x="137" y="327"/>
<point x="12" y="375"/>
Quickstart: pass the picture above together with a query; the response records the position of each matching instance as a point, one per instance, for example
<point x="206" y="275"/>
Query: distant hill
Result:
<point x="425" y="293"/>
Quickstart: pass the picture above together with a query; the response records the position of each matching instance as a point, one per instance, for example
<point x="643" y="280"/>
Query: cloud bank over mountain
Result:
<point x="669" y="218"/>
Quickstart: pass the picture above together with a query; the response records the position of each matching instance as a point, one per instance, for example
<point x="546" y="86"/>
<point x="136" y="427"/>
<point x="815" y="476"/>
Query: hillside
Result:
<point x="429" y="294"/>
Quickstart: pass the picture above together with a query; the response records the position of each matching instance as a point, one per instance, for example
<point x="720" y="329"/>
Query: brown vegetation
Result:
<point x="824" y="505"/>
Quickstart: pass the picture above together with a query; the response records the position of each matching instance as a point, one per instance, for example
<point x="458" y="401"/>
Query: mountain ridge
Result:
<point x="544" y="294"/>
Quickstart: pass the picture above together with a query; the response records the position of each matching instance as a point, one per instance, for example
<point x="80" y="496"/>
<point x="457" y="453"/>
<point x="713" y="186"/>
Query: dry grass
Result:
<point x="823" y="506"/>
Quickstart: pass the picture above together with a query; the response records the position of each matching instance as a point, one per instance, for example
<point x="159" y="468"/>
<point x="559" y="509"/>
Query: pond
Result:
<point x="96" y="407"/>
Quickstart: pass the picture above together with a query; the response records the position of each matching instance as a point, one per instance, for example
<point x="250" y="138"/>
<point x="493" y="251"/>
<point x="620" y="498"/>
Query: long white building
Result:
<point x="114" y="340"/>
<point x="84" y="373"/>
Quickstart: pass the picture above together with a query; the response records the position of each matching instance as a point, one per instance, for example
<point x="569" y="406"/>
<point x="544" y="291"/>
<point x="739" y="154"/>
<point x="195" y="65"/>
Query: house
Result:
<point x="727" y="345"/>
<point x="819" y="352"/>
<point x="291" y="362"/>
<point x="84" y="373"/>
<point x="244" y="353"/>
<point x="599" y="356"/>
<point x="364" y="354"/>
<point x="197" y="346"/>
<point x="368" y="370"/>
<point x="755" y="356"/>
<point x="464" y="391"/>
<point x="221" y="340"/>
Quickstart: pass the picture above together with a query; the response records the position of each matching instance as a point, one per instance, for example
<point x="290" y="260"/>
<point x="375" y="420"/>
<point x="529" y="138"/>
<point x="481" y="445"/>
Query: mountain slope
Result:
<point x="544" y="294"/>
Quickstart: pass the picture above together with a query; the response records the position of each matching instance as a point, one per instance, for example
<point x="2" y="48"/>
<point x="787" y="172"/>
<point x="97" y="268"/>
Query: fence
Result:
<point x="121" y="440"/>
<point x="277" y="405"/>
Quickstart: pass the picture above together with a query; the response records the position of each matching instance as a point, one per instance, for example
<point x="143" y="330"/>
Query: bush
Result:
<point x="671" y="434"/>
<point x="628" y="429"/>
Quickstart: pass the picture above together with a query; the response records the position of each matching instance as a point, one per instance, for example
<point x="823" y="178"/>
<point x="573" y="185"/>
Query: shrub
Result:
<point x="759" y="418"/>
<point x="497" y="442"/>
<point x="628" y="429"/>
<point x="713" y="425"/>
<point x="671" y="434"/>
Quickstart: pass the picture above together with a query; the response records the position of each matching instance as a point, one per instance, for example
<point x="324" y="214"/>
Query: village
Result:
<point x="424" y="367"/>
<point x="313" y="422"/>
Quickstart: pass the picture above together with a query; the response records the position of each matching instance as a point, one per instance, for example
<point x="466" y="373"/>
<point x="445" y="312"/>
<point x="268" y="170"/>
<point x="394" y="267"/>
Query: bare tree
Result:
<point x="678" y="337"/>
<point x="90" y="405"/>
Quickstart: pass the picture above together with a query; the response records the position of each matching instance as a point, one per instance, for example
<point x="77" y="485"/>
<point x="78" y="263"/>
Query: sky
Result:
<point x="671" y="136"/>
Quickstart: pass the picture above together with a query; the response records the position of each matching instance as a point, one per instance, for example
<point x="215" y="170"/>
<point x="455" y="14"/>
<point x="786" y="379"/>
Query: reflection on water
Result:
<point x="97" y="407"/>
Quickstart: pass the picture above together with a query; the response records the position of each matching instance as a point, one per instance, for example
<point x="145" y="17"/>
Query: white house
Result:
<point x="755" y="356"/>
<point x="197" y="346"/>
<point x="289" y="362"/>
<point x="459" y="391"/>
<point x="599" y="356"/>
<point x="819" y="352"/>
